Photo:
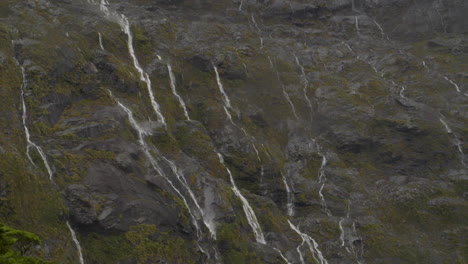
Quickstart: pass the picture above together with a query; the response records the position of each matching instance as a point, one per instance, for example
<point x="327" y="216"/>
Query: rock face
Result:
<point x="295" y="131"/>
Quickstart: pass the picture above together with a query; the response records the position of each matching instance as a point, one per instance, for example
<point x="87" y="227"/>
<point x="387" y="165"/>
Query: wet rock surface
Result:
<point x="344" y="119"/>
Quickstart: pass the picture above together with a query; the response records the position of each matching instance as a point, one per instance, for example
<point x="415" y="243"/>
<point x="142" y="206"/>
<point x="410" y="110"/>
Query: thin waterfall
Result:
<point x="210" y="226"/>
<point x="342" y="232"/>
<point x="322" y="168"/>
<point x="380" y="28"/>
<point x="286" y="95"/>
<point x="458" y="142"/>
<point x="227" y="106"/>
<point x="323" y="201"/>
<point x="282" y="256"/>
<point x="240" y="5"/>
<point x="304" y="81"/>
<point x="141" y="134"/>
<point x="249" y="212"/>
<point x="453" y="83"/>
<point x="124" y="23"/>
<point x="424" y="65"/>
<point x="290" y="196"/>
<point x="77" y="243"/>
<point x="312" y="244"/>
<point x="356" y="23"/>
<point x="31" y="144"/>
<point x="227" y="102"/>
<point x="100" y="41"/>
<point x="402" y="92"/>
<point x="174" y="91"/>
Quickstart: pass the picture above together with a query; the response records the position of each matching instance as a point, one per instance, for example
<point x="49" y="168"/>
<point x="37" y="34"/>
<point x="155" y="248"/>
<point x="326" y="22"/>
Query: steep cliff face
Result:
<point x="175" y="131"/>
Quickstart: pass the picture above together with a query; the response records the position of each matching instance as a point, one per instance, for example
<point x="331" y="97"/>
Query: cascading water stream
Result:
<point x="290" y="196"/>
<point x="227" y="102"/>
<point x="124" y="23"/>
<point x="249" y="213"/>
<point x="77" y="243"/>
<point x="453" y="83"/>
<point x="286" y="95"/>
<point x="282" y="256"/>
<point x="342" y="232"/>
<point x="356" y="23"/>
<point x="174" y="91"/>
<point x="29" y="143"/>
<point x="100" y="41"/>
<point x="312" y="244"/>
<point x="209" y="225"/>
<point x="305" y="82"/>
<point x="458" y="142"/>
<point x="141" y="134"/>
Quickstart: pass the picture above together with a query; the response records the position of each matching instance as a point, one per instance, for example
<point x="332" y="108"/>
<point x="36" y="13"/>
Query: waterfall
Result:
<point x="322" y="168"/>
<point x="77" y="243"/>
<point x="31" y="144"/>
<point x="290" y="197"/>
<point x="458" y="142"/>
<point x="210" y="226"/>
<point x="100" y="41"/>
<point x="125" y="25"/>
<point x="122" y="20"/>
<point x="174" y="91"/>
<point x="255" y="23"/>
<point x="227" y="102"/>
<point x="313" y="246"/>
<point x="453" y="83"/>
<point x="286" y="95"/>
<point x="141" y="134"/>
<point x="402" y="92"/>
<point x="424" y="65"/>
<point x="380" y="28"/>
<point x="240" y="5"/>
<point x="305" y="82"/>
<point x="342" y="233"/>
<point x="282" y="256"/>
<point x="356" y="23"/>
<point x="323" y="202"/>
<point x="249" y="213"/>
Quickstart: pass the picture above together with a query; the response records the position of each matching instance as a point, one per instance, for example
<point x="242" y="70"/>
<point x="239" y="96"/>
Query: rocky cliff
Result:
<point x="236" y="131"/>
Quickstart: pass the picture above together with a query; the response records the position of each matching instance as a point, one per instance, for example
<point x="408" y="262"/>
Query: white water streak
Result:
<point x="424" y="65"/>
<point x="453" y="83"/>
<point x="342" y="233"/>
<point x="380" y="28"/>
<point x="240" y="5"/>
<point x="313" y="246"/>
<point x="141" y="134"/>
<point x="323" y="201"/>
<point x="100" y="41"/>
<point x="29" y="142"/>
<point x="174" y="91"/>
<point x="249" y="212"/>
<point x="304" y="81"/>
<point x="77" y="243"/>
<point x="226" y="100"/>
<point x="402" y="92"/>
<point x="322" y="168"/>
<point x="282" y="256"/>
<point x="356" y="23"/>
<point x="125" y="25"/>
<point x="458" y="142"/>
<point x="210" y="226"/>
<point x="290" y="196"/>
